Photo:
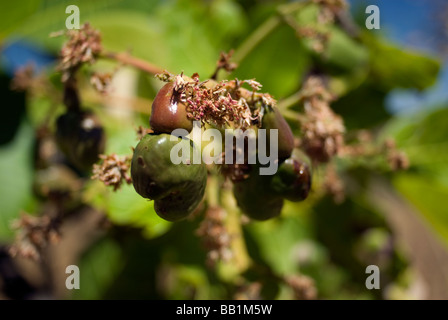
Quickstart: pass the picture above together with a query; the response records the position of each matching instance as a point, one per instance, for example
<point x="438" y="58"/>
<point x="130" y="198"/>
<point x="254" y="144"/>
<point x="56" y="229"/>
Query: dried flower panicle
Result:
<point x="365" y="146"/>
<point x="224" y="63"/>
<point x="27" y="78"/>
<point x="214" y="105"/>
<point x="142" y="131"/>
<point x="233" y="170"/>
<point x="396" y="159"/>
<point x="113" y="170"/>
<point x="328" y="9"/>
<point x="23" y="78"/>
<point x="34" y="233"/>
<point x="318" y="39"/>
<point x="214" y="236"/>
<point x="317" y="36"/>
<point x="165" y="76"/>
<point x="101" y="81"/>
<point x="249" y="291"/>
<point x="220" y="104"/>
<point x="333" y="184"/>
<point x="303" y="287"/>
<point x="83" y="46"/>
<point x="322" y="129"/>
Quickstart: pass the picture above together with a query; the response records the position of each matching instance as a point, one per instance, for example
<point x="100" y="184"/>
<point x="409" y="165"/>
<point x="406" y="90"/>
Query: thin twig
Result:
<point x="127" y="59"/>
<point x="265" y="29"/>
<point x="288" y="102"/>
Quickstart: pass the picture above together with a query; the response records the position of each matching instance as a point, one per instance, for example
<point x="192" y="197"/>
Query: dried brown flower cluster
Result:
<point x="113" y="170"/>
<point x="365" y="146"/>
<point x="214" y="106"/>
<point x="333" y="184"/>
<point x="101" y="81"/>
<point x="141" y="132"/>
<point x="214" y="236"/>
<point x="328" y="9"/>
<point x="221" y="104"/>
<point x="318" y="39"/>
<point x="27" y="78"/>
<point x="397" y="159"/>
<point x="303" y="287"/>
<point x="249" y="291"/>
<point x="322" y="129"/>
<point x="236" y="171"/>
<point x="34" y="233"/>
<point x="83" y="46"/>
<point x="23" y="78"/>
<point x="224" y="63"/>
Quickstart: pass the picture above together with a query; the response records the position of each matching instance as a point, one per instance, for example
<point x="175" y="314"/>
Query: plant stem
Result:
<point x="127" y="59"/>
<point x="212" y="191"/>
<point x="255" y="38"/>
<point x="265" y="29"/>
<point x="241" y="259"/>
<point x="288" y="102"/>
<point x="291" y="115"/>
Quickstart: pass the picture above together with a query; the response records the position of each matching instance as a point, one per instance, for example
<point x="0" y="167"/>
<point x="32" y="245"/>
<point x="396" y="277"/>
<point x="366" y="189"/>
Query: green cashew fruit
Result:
<point x="273" y="119"/>
<point x="255" y="197"/>
<point x="177" y="189"/>
<point x="80" y="137"/>
<point x="293" y="178"/>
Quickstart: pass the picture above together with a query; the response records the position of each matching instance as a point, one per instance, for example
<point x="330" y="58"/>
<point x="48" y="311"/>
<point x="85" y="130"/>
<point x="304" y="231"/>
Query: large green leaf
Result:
<point x="13" y="14"/>
<point x="424" y="138"/>
<point x="50" y="16"/>
<point x="16" y="179"/>
<point x="362" y="107"/>
<point x="276" y="239"/>
<point x="429" y="197"/>
<point x="98" y="268"/>
<point x="393" y="67"/>
<point x="278" y="63"/>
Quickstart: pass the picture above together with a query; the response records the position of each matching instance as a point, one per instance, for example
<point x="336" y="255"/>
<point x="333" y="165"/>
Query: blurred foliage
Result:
<point x="424" y="137"/>
<point x="144" y="256"/>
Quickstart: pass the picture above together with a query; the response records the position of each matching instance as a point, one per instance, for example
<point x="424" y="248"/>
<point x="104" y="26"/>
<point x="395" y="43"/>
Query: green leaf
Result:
<point x="50" y="16"/>
<point x="344" y="54"/>
<point x="362" y="107"/>
<point x="424" y="138"/>
<point x="16" y="178"/>
<point x="392" y="67"/>
<point x="13" y="14"/>
<point x="278" y="63"/>
<point x="98" y="269"/>
<point x="128" y="207"/>
<point x="275" y="239"/>
<point x="429" y="197"/>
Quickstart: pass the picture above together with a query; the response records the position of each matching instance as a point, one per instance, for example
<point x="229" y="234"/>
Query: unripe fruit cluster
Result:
<point x="261" y="197"/>
<point x="178" y="189"/>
